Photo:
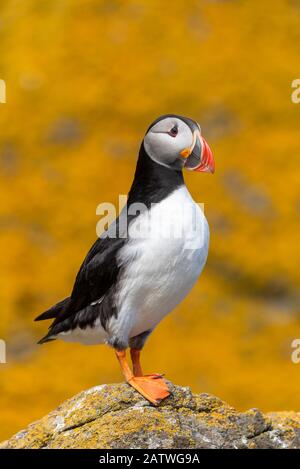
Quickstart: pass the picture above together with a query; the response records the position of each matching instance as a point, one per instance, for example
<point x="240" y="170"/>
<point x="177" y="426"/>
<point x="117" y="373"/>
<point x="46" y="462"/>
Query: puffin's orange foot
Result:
<point x="152" y="387"/>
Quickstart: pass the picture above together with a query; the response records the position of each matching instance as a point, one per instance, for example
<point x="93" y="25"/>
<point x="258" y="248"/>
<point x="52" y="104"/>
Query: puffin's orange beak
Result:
<point x="207" y="164"/>
<point x="199" y="156"/>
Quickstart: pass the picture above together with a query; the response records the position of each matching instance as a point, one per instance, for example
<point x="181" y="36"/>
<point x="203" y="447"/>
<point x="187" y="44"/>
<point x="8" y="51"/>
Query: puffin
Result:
<point x="147" y="261"/>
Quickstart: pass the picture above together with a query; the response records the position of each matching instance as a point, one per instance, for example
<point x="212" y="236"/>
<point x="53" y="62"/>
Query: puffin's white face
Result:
<point x="176" y="142"/>
<point x="166" y="139"/>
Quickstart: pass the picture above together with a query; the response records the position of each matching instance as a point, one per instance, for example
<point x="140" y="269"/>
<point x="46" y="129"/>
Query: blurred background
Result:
<point x="84" y="80"/>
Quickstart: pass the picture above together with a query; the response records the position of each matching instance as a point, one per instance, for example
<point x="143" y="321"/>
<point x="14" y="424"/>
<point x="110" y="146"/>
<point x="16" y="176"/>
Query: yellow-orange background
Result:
<point x="84" y="80"/>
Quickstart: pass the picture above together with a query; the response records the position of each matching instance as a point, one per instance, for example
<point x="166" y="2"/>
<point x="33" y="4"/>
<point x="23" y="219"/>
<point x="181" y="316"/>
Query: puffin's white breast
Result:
<point x="162" y="260"/>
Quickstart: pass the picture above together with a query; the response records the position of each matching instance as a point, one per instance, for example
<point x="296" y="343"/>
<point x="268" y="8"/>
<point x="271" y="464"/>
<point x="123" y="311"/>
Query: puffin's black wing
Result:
<point x="97" y="274"/>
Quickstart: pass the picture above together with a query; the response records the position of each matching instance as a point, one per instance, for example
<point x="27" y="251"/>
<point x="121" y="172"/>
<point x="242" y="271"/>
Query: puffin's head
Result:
<point x="176" y="142"/>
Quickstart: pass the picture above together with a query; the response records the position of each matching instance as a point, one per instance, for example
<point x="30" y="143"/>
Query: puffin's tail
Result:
<point x="52" y="313"/>
<point x="45" y="339"/>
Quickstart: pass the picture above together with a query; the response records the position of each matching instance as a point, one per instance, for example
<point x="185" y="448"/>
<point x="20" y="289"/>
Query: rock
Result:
<point x="115" y="416"/>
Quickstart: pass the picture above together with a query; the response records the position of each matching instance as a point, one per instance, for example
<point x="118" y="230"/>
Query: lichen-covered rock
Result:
<point x="115" y="416"/>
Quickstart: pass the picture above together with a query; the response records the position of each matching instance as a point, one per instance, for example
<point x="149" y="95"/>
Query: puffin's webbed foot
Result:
<point x="153" y="387"/>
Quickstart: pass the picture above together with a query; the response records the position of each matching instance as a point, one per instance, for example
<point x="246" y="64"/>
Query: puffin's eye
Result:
<point x="174" y="131"/>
